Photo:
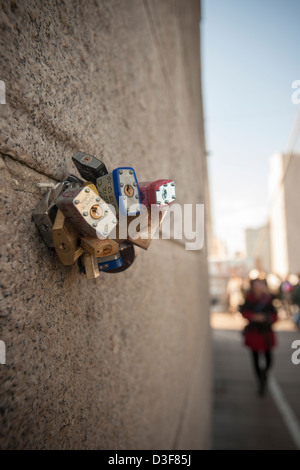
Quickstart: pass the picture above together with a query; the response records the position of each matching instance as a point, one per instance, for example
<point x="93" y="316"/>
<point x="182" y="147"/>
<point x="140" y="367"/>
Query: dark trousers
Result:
<point x="268" y="362"/>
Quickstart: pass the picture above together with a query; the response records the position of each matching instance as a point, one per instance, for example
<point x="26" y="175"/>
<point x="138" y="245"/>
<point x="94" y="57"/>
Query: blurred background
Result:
<point x="251" y="88"/>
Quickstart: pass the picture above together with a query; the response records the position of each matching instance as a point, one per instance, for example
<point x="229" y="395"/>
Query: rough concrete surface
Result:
<point x="123" y="361"/>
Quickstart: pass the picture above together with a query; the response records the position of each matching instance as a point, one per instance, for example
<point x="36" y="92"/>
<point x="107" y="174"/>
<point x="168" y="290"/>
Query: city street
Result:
<point x="243" y="419"/>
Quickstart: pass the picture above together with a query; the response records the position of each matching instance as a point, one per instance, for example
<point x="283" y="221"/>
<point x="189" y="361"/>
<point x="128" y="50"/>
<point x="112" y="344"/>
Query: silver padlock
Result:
<point x="89" y="167"/>
<point x="87" y="211"/>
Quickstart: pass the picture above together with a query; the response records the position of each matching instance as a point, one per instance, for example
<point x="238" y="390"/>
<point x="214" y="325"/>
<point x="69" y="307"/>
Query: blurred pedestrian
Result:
<point x="286" y="289"/>
<point x="258" y="309"/>
<point x="296" y="302"/>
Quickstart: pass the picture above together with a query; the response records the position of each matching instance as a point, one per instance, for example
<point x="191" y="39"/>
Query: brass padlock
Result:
<point x="99" y="248"/>
<point x="148" y="226"/>
<point x="65" y="240"/>
<point x="91" y="266"/>
<point x="92" y="186"/>
<point x="45" y="212"/>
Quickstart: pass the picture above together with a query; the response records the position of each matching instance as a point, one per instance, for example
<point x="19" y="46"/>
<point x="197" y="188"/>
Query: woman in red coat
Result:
<point x="259" y="336"/>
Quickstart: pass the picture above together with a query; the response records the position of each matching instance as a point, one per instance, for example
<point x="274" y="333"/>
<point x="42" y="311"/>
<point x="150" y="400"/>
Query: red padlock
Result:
<point x="159" y="192"/>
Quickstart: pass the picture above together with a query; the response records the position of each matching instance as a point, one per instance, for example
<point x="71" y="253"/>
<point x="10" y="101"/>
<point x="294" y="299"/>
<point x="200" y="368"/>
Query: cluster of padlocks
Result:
<point x="81" y="218"/>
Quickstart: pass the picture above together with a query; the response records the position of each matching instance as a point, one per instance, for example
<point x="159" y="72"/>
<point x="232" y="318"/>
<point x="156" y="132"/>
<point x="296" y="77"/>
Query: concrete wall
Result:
<point x="278" y="223"/>
<point x="292" y="197"/>
<point x="285" y="214"/>
<point x="123" y="361"/>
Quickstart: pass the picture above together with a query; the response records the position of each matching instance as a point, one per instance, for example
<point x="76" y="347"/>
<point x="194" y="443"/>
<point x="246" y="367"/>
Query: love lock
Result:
<point x="82" y="219"/>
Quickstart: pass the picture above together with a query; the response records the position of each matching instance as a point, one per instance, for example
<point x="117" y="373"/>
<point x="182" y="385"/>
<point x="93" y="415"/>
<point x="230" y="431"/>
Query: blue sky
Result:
<point x="250" y="57"/>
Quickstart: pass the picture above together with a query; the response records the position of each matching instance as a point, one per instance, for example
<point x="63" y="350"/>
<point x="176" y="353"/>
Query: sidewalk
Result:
<point x="242" y="419"/>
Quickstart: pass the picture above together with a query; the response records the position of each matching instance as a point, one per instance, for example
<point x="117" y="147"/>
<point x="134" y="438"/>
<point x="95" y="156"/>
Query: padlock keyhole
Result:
<point x="86" y="159"/>
<point x="128" y="190"/>
<point x="107" y="250"/>
<point x="96" y="211"/>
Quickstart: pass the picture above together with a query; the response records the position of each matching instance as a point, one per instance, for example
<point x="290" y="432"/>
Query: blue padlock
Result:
<point x="121" y="189"/>
<point x="110" y="262"/>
